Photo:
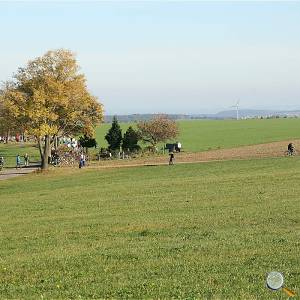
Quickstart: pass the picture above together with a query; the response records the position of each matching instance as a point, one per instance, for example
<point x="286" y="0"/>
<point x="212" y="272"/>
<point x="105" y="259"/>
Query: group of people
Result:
<point x="19" y="161"/>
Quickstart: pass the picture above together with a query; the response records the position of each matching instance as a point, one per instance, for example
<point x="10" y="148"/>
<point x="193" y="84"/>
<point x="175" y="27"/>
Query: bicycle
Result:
<point x="290" y="153"/>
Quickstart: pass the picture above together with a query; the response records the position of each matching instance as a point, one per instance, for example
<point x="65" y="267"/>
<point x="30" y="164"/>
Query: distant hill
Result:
<point x="253" y="113"/>
<point x="228" y="114"/>
<point x="142" y="117"/>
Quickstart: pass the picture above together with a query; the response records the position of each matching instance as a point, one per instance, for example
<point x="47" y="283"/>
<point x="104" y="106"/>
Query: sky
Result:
<point x="163" y="56"/>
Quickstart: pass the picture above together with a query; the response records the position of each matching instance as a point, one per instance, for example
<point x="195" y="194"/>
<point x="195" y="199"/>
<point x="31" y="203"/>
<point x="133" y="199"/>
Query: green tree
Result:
<point x="87" y="142"/>
<point x="130" y="140"/>
<point x="49" y="98"/>
<point x="114" y="136"/>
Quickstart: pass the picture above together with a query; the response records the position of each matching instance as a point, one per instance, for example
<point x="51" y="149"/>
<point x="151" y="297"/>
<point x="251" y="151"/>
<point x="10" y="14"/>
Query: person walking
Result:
<point x="18" y="161"/>
<point x="26" y="160"/>
<point x="172" y="158"/>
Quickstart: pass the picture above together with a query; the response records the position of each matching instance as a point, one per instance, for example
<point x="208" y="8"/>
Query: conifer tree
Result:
<point x="130" y="140"/>
<point x="114" y="136"/>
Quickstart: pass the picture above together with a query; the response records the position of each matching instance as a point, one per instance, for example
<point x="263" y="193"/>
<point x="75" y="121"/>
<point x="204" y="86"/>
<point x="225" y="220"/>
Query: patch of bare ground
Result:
<point x="13" y="172"/>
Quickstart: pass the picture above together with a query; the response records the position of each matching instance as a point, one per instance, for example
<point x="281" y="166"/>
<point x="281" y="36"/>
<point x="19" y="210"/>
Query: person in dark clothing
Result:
<point x="26" y="160"/>
<point x="290" y="149"/>
<point x="172" y="158"/>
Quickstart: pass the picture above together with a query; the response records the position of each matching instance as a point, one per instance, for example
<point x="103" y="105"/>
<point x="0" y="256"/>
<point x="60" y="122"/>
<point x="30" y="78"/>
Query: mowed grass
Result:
<point x="204" y="231"/>
<point x="201" y="135"/>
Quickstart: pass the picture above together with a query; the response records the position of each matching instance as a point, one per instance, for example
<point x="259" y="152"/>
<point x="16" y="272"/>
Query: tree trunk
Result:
<point x="40" y="146"/>
<point x="45" y="153"/>
<point x="56" y="142"/>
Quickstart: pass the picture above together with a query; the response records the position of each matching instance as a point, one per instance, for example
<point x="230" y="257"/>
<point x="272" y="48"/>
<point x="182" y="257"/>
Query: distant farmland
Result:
<point x="201" y="135"/>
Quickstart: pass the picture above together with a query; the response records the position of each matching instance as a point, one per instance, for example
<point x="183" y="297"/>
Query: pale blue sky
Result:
<point x="173" y="57"/>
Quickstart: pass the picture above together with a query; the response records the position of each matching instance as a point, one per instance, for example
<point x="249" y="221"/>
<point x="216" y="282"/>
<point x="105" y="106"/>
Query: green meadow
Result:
<point x="205" y="231"/>
<point x="201" y="135"/>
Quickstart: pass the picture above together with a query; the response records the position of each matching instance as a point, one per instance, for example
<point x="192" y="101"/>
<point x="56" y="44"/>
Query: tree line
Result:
<point x="157" y="130"/>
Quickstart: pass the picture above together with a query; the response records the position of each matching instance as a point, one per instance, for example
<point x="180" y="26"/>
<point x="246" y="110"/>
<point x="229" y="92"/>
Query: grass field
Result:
<point x="189" y="231"/>
<point x="200" y="135"/>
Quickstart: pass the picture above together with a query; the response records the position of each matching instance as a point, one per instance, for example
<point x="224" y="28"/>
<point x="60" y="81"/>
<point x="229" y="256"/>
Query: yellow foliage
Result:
<point x="49" y="97"/>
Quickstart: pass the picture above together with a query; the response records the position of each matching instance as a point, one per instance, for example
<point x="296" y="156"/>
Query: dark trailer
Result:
<point x="174" y="147"/>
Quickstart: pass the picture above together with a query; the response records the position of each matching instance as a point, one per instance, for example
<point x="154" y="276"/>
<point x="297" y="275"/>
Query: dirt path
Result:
<point x="12" y="172"/>
<point x="275" y="149"/>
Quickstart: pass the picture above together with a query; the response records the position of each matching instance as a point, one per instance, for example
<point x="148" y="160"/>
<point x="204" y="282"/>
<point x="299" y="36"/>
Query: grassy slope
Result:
<point x="202" y="230"/>
<point x="202" y="135"/>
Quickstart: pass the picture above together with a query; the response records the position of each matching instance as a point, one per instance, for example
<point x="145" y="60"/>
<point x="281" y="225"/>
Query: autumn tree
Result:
<point x="157" y="130"/>
<point x="8" y="124"/>
<point x="49" y="97"/>
<point x="114" y="136"/>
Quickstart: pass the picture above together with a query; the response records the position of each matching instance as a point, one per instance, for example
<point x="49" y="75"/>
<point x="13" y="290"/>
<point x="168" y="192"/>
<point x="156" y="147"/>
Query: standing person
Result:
<point x="56" y="158"/>
<point x="171" y="161"/>
<point x="18" y="161"/>
<point x="178" y="146"/>
<point x="83" y="159"/>
<point x="26" y="160"/>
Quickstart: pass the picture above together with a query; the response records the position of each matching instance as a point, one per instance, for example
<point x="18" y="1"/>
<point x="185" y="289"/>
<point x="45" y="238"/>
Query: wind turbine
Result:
<point x="236" y="106"/>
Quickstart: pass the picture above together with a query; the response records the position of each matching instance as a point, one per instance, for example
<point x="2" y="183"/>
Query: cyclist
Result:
<point x="291" y="149"/>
